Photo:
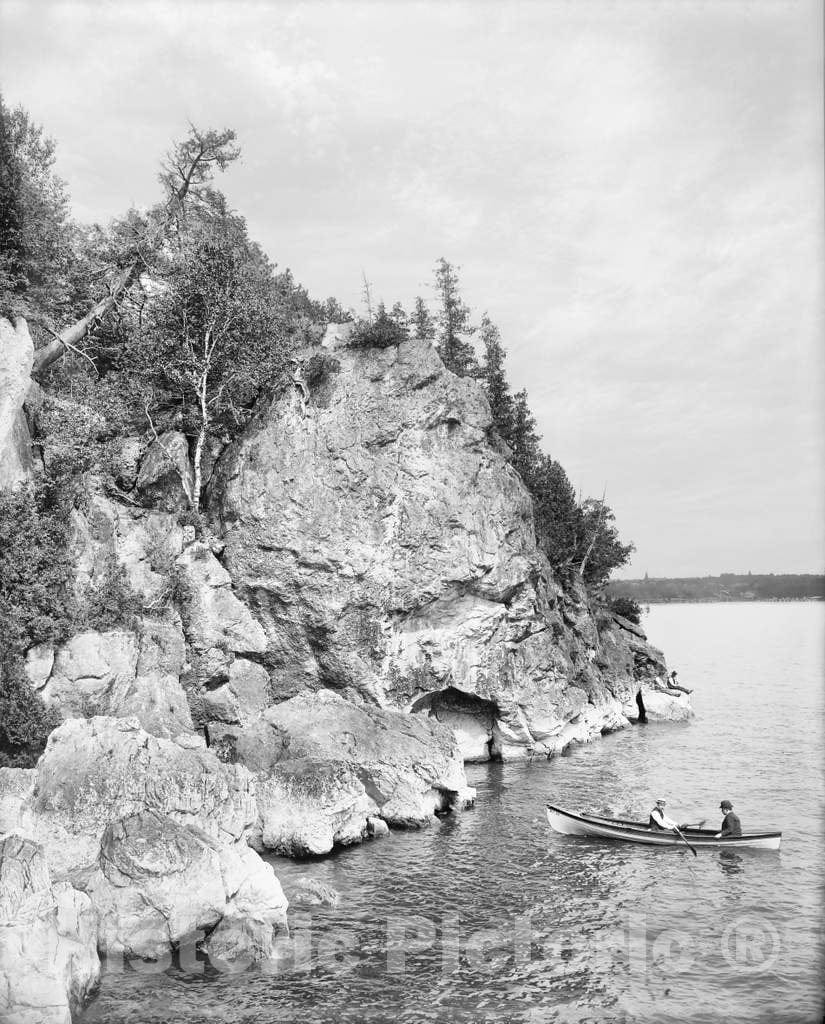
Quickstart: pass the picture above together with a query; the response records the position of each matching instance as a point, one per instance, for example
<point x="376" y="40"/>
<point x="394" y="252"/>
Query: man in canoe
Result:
<point x="659" y="820"/>
<point x="731" y="825"/>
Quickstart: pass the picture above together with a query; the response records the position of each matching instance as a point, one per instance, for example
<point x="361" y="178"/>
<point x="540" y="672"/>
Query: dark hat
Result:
<point x="726" y="805"/>
<point x="661" y="802"/>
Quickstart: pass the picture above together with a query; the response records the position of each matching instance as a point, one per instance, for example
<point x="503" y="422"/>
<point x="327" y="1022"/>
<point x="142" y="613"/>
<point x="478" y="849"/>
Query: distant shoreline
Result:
<point x="729" y="600"/>
<point x="723" y="589"/>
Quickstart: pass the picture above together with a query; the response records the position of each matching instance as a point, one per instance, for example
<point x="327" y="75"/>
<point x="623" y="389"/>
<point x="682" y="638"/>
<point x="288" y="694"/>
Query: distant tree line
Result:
<point x="727" y="587"/>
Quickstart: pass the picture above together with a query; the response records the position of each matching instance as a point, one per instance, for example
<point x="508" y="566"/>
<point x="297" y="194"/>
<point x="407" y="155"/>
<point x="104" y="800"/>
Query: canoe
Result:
<point x="594" y="826"/>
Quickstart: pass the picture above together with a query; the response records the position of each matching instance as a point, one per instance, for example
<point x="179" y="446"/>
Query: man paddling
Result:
<point x="659" y="820"/>
<point x="731" y="825"/>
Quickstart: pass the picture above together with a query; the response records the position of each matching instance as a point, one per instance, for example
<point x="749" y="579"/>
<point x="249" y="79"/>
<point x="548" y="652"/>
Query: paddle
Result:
<point x="687" y="844"/>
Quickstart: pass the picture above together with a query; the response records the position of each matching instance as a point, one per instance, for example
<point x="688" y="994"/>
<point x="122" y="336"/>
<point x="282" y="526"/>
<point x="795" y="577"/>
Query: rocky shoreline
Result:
<point x="367" y="611"/>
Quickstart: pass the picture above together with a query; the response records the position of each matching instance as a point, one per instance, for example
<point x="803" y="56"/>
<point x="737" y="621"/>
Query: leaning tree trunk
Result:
<point x="70" y="336"/>
<point x="211" y="149"/>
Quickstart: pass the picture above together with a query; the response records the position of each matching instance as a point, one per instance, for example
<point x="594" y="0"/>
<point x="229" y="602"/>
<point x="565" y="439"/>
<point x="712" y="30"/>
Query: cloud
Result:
<point x="633" y="191"/>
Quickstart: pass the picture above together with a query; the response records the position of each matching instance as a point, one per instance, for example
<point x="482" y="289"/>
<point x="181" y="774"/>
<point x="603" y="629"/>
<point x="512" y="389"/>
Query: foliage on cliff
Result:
<point x="36" y="606"/>
<point x="38" y="277"/>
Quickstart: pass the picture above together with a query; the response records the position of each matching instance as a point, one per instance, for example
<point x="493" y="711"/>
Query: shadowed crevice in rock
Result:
<point x="472" y="719"/>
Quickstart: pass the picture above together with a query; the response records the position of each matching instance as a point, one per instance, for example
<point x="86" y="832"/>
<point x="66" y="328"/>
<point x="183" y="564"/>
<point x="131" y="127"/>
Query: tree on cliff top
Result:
<point x="215" y="335"/>
<point x="420" y="321"/>
<point x="494" y="379"/>
<point x="524" y="440"/>
<point x="453" y="321"/>
<point x="186" y="176"/>
<point x="36" y="233"/>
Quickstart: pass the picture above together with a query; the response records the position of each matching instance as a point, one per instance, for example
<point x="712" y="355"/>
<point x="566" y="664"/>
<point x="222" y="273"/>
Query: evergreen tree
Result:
<point x="398" y="316"/>
<point x="36" y="233"/>
<point x="453" y="321"/>
<point x="494" y="380"/>
<point x="420" y="322"/>
<point x="524" y="440"/>
<point x="557" y="514"/>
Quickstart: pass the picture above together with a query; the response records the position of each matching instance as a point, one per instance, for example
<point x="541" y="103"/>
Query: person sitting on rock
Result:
<point x="673" y="685"/>
<point x="731" y="825"/>
<point x="659" y="820"/>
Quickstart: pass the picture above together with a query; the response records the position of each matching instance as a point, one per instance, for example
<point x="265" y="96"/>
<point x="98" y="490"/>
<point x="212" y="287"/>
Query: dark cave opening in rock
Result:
<point x="472" y="719"/>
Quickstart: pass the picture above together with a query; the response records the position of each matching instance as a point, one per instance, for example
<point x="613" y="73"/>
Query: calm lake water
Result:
<point x="491" y="917"/>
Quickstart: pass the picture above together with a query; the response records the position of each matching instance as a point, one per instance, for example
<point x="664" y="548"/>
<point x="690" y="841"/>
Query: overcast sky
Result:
<point x="633" y="190"/>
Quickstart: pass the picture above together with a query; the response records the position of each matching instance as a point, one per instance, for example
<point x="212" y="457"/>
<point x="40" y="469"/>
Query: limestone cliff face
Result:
<point x="16" y="356"/>
<point x="387" y="548"/>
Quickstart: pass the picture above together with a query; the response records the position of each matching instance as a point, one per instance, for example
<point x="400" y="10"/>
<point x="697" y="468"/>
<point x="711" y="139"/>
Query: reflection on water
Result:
<point x="730" y="862"/>
<point x="490" y="916"/>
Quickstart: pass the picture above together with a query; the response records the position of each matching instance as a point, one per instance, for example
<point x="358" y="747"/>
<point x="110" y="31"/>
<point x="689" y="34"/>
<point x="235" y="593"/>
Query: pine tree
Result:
<point x="420" y="322"/>
<point x="453" y="320"/>
<point x="494" y="380"/>
<point x="524" y="440"/>
<point x="398" y="315"/>
<point x="557" y="515"/>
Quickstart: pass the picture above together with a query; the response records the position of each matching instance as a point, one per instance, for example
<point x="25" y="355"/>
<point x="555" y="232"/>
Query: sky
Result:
<point x="632" y="189"/>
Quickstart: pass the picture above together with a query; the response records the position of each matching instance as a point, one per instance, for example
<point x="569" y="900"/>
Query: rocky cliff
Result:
<point x="387" y="548"/>
<point x="367" y="610"/>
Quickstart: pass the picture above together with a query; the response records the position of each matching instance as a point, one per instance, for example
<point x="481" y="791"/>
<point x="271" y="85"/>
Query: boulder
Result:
<point x="92" y="673"/>
<point x="97" y="771"/>
<point x="666" y="707"/>
<point x="242" y="698"/>
<point x="307" y="806"/>
<point x="16" y="357"/>
<point x="49" y="967"/>
<point x="166" y="478"/>
<point x="255" y="911"/>
<point x="160" y="884"/>
<point x="38" y="665"/>
<point x="121" y="674"/>
<point x="327" y="766"/>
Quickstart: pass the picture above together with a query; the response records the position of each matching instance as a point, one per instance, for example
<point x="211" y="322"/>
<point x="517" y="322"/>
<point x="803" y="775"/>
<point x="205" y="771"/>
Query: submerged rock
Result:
<point x="309" y="892"/>
<point x="49" y="967"/>
<point x="327" y="767"/>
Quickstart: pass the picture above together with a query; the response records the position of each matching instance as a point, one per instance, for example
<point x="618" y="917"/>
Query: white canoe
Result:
<point x="596" y="827"/>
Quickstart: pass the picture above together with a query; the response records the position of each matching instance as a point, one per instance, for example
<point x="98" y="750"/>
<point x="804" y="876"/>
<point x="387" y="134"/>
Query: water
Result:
<point x="506" y="921"/>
